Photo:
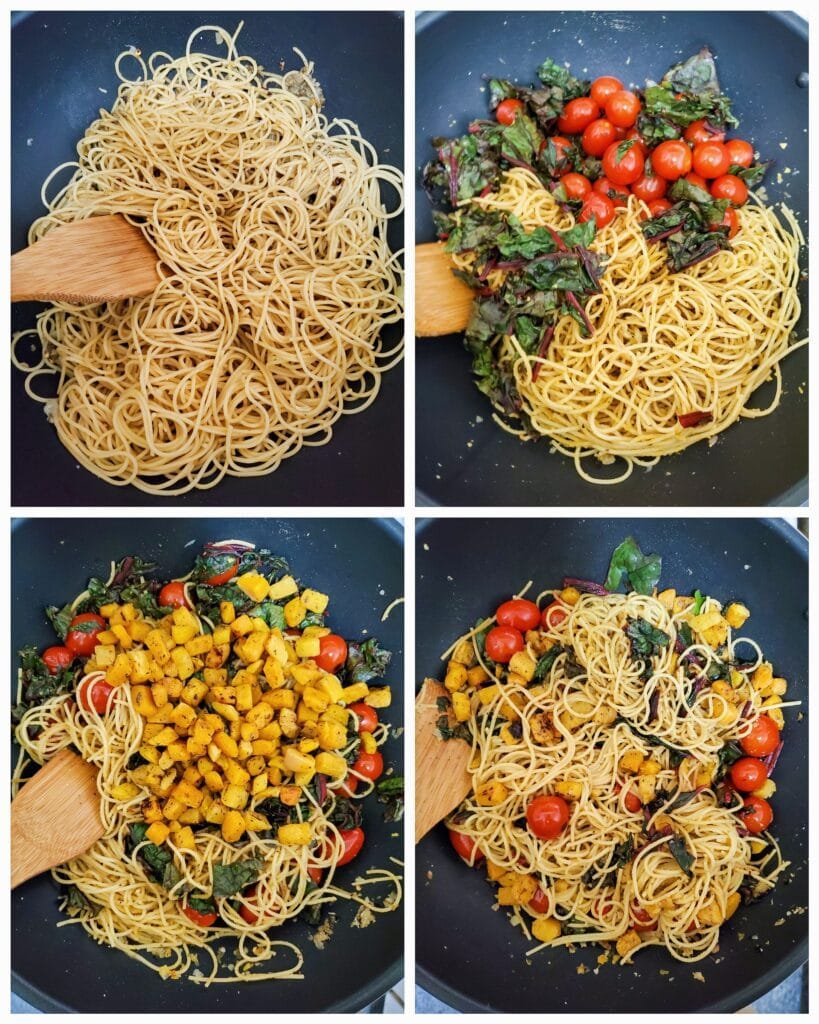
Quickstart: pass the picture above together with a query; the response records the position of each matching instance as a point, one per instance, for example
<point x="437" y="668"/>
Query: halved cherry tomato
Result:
<point x="223" y="577"/>
<point x="598" y="136"/>
<point x="616" y="194"/>
<point x="622" y="108"/>
<point x="748" y="774"/>
<point x="623" y="162"/>
<point x="740" y="152"/>
<point x="604" y="87"/>
<point x="367" y="717"/>
<point x="332" y="652"/>
<point x="577" y="115"/>
<point x="58" y="658"/>
<point x="502" y="642"/>
<point x="507" y="110"/>
<point x="698" y="180"/>
<point x="757" y="815"/>
<point x="81" y="638"/>
<point x="353" y="840"/>
<point x="710" y="159"/>
<point x="172" y="595"/>
<point x="729" y="220"/>
<point x="762" y="739"/>
<point x="519" y="613"/>
<point x="642" y="921"/>
<point x="204" y="919"/>
<point x="371" y="766"/>
<point x="697" y="132"/>
<point x="671" y="159"/>
<point x="94" y="693"/>
<point x="464" y="845"/>
<point x="730" y="187"/>
<point x="552" y="616"/>
<point x="546" y="816"/>
<point x="649" y="187"/>
<point x="541" y="902"/>
<point x="600" y="207"/>
<point x="575" y="186"/>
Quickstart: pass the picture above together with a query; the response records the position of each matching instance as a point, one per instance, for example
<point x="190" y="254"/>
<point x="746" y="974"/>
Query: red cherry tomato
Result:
<point x="332" y="652"/>
<point x="577" y="115"/>
<point x="616" y="194"/>
<point x="575" y="186"/>
<point x="81" y="638"/>
<point x="730" y="187"/>
<point x="546" y="816"/>
<point x="757" y="815"/>
<point x="649" y="187"/>
<point x="520" y="614"/>
<point x="748" y="774"/>
<point x="58" y="658"/>
<point x="740" y="152"/>
<point x="204" y="919"/>
<point x="656" y="208"/>
<point x="763" y="738"/>
<point x="599" y="207"/>
<point x="507" y="110"/>
<point x="710" y="159"/>
<point x="560" y="143"/>
<point x="353" y="840"/>
<point x="634" y="136"/>
<point x="371" y="766"/>
<point x="729" y="220"/>
<point x="698" y="180"/>
<point x="623" y="163"/>
<point x="540" y="903"/>
<point x="697" y="132"/>
<point x="316" y="874"/>
<point x="601" y="908"/>
<point x="94" y="693"/>
<point x="622" y="108"/>
<point x="172" y="595"/>
<point x="604" y="87"/>
<point x="598" y="136"/>
<point x="671" y="159"/>
<point x="223" y="577"/>
<point x="367" y="717"/>
<point x="641" y="919"/>
<point x="632" y="801"/>
<point x="463" y="846"/>
<point x="502" y="642"/>
<point x="553" y="615"/>
<point x="348" y="786"/>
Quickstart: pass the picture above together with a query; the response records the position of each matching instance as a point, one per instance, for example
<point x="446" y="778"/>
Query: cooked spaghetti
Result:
<point x="277" y="277"/>
<point x="621" y="762"/>
<point x="234" y="745"/>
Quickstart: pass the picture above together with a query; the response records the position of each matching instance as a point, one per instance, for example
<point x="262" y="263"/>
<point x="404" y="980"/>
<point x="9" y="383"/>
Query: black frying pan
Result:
<point x="359" y="62"/>
<point x="463" y="458"/>
<point x="470" y="956"/>
<point x="359" y="562"/>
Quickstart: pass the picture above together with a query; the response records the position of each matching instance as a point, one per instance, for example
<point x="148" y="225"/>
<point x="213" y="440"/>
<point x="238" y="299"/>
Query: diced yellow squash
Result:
<point x="157" y="833"/>
<point x="523" y="664"/>
<point x="251" y="647"/>
<point x="282" y="588"/>
<point x="159" y="692"/>
<point x="331" y="735"/>
<point x="571" y="789"/>
<point x="235" y="773"/>
<point x="242" y="626"/>
<point x="314" y="601"/>
<point x="123" y="636"/>
<point x="667" y="598"/>
<point x="140" y="666"/>
<point x="165" y="736"/>
<point x="226" y="744"/>
<point x="477" y="675"/>
<point x="766" y="790"/>
<point x="308" y="647"/>
<point x="488" y="693"/>
<point x="289" y="726"/>
<point x="490" y="794"/>
<point x="216" y="813"/>
<point x="456" y="676"/>
<point x="736" y="615"/>
<point x="178" y="751"/>
<point x="255" y="822"/>
<point x="331" y="764"/>
<point x="149" y="753"/>
<point x="172" y="808"/>
<point x="732" y="904"/>
<point x="143" y="701"/>
<point x="273" y="672"/>
<point x="187" y="794"/>
<point x="464" y="653"/>
<point x="105" y="655"/>
<point x="296" y="761"/>
<point x="184" y="662"/>
<point x="254" y="585"/>
<point x="124" y="791"/>
<point x="195" y="691"/>
<point x="460" y="705"/>
<point x="183" y="838"/>
<point x="107" y="610"/>
<point x="630" y="761"/>
<point x="244" y="697"/>
<point x="516" y="890"/>
<point x="214" y="781"/>
<point x="314" y="699"/>
<point x="646" y="787"/>
<point x="275" y="699"/>
<point x="199" y="645"/>
<point x="235" y="797"/>
<point x="627" y="942"/>
<point x="329" y="684"/>
<point x="650" y="767"/>
<point x="120" y="671"/>
<point x="156" y="644"/>
<point x="294" y="612"/>
<point x="294" y="835"/>
<point x="276" y="647"/>
<point x="546" y="929"/>
<point x="182" y="716"/>
<point x="381" y="697"/>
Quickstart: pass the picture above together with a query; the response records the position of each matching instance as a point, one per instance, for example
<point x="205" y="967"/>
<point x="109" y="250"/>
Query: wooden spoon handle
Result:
<point x="442" y="778"/>
<point x="443" y="303"/>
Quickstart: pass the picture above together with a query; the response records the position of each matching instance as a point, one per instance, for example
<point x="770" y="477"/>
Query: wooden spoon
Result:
<point x="100" y="259"/>
<point x="442" y="302"/>
<point x="54" y="817"/>
<point x="442" y="780"/>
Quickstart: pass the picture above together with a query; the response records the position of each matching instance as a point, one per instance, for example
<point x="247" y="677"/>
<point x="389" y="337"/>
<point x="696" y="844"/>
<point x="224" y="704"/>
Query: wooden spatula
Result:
<point x="441" y="777"/>
<point x="100" y="259"/>
<point x="55" y="816"/>
<point x="442" y="302"/>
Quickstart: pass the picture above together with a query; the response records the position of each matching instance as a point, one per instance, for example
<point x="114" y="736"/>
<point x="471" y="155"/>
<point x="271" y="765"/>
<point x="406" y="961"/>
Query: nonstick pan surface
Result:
<point x="469" y="955"/>
<point x="60" y="64"/>
<point x="463" y="457"/>
<point x="359" y="562"/>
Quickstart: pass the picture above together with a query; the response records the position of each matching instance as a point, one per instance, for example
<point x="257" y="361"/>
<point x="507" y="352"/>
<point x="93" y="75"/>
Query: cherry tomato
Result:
<point x="600" y="207"/>
<point x="598" y="136"/>
<point x="622" y="108"/>
<point x="577" y="115"/>
<point x="204" y="919"/>
<point x="616" y="194"/>
<point x="649" y="187"/>
<point x="642" y="920"/>
<point x="353" y="840"/>
<point x="224" y="576"/>
<point x="520" y="614"/>
<point x="604" y="87"/>
<point x="172" y="595"/>
<point x="58" y="658"/>
<point x="546" y="816"/>
<point x="575" y="186"/>
<point x="463" y="846"/>
<point x="730" y="187"/>
<point x="697" y="132"/>
<point x="632" y="801"/>
<point x="729" y="220"/>
<point x="671" y="159"/>
<point x="623" y="163"/>
<point x="502" y="642"/>
<point x="763" y="738"/>
<point x="94" y="693"/>
<point x="367" y="717"/>
<point x="634" y="136"/>
<point x="507" y="110"/>
<point x="748" y="774"/>
<point x="371" y="766"/>
<point x="81" y="638"/>
<point x="332" y="652"/>
<point x="540" y="903"/>
<point x="560" y="143"/>
<point x="698" y="180"/>
<point x="658" y="207"/>
<point x="552" y="616"/>
<point x="710" y="159"/>
<point x="740" y="152"/>
<point x="601" y="908"/>
<point x="758" y="814"/>
<point x="348" y="786"/>
<point x="316" y="874"/>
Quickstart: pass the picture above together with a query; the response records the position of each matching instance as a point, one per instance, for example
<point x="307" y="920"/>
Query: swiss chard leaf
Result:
<point x="77" y="904"/>
<point x="391" y="793"/>
<point x="641" y="572"/>
<point x="272" y="613"/>
<point x="699" y="601"/>
<point x="157" y="860"/>
<point x="646" y="640"/>
<point x="38" y="684"/>
<point x="558" y="77"/>
<point x="751" y="175"/>
<point x="545" y="662"/>
<point x="228" y="879"/>
<point x="697" y="75"/>
<point x="366" y="661"/>
<point x="681" y="854"/>
<point x="346" y="814"/>
<point x="60" y="618"/>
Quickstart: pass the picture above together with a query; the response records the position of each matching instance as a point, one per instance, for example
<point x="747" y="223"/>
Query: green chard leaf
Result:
<point x="391" y="793"/>
<point x="366" y="661"/>
<point x="640" y="572"/>
<point x="60" y="619"/>
<point x="158" y="860"/>
<point x="228" y="879"/>
<point x="646" y="640"/>
<point x="681" y="854"/>
<point x="77" y="904"/>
